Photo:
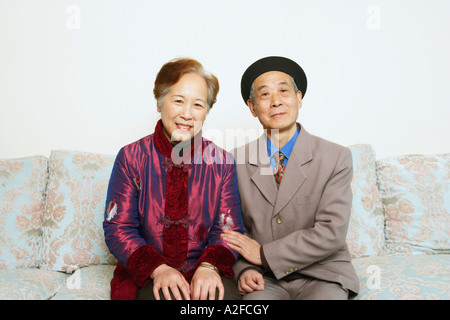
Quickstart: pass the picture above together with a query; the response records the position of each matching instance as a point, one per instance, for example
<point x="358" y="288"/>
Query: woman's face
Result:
<point x="184" y="108"/>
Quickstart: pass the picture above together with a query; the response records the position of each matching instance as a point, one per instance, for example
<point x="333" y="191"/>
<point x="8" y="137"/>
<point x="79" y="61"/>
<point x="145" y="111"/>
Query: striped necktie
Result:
<point x="279" y="168"/>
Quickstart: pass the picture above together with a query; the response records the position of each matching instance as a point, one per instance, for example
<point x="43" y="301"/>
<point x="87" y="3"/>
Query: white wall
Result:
<point x="79" y="74"/>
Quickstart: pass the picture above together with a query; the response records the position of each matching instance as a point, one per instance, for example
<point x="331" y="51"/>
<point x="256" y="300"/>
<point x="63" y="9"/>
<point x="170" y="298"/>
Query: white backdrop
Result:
<point x="79" y="74"/>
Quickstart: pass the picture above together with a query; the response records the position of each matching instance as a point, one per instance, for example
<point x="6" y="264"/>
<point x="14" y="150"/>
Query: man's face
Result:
<point x="276" y="102"/>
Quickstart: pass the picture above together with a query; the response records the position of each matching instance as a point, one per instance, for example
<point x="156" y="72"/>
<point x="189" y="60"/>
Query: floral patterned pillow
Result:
<point x="76" y="194"/>
<point x="22" y="196"/>
<point x="365" y="236"/>
<point x="415" y="191"/>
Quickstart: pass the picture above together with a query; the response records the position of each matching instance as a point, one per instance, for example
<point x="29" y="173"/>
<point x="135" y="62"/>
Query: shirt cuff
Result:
<point x="265" y="264"/>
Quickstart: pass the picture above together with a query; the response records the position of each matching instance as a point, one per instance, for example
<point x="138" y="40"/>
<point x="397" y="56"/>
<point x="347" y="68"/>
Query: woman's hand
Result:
<point x="165" y="278"/>
<point x="204" y="284"/>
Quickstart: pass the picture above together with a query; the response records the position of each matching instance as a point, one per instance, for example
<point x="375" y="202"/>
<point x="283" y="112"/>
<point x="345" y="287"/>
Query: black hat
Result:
<point x="272" y="64"/>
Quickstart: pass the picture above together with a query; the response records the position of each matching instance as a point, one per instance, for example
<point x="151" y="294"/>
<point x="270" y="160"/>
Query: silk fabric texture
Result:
<point x="163" y="208"/>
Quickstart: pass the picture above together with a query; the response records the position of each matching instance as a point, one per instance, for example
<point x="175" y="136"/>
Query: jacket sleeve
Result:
<point x="305" y="247"/>
<point x="228" y="216"/>
<point x="121" y="224"/>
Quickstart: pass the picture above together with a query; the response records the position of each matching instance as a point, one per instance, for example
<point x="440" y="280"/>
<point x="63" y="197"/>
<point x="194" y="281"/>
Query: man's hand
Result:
<point x="204" y="284"/>
<point x="165" y="278"/>
<point x="249" y="281"/>
<point x="246" y="247"/>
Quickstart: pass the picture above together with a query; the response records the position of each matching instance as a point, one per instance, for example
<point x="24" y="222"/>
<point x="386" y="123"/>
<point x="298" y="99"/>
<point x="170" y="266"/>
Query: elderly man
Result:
<point x="295" y="196"/>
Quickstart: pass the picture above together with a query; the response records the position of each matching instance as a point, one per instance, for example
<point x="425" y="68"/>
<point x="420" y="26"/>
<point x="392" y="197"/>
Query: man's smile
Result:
<point x="278" y="114"/>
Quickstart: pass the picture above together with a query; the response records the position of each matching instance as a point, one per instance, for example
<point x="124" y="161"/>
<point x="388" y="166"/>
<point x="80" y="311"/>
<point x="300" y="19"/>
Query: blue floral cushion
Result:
<point x="22" y="197"/>
<point x="365" y="236"/>
<point x="415" y="277"/>
<point x="415" y="191"/>
<point x="72" y="228"/>
<point x="90" y="283"/>
<point x="29" y="284"/>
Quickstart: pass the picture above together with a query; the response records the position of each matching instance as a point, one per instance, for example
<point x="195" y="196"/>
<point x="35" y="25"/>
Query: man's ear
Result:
<point x="251" y="106"/>
<point x="299" y="98"/>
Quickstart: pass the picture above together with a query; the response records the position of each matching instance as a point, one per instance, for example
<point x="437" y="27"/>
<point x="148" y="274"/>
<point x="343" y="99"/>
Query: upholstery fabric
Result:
<point x="415" y="192"/>
<point x="415" y="277"/>
<point x="365" y="236"/>
<point x="72" y="227"/>
<point x="29" y="284"/>
<point x="89" y="283"/>
<point x="22" y="196"/>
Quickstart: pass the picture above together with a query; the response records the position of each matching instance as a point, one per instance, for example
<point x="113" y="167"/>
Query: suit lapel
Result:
<point x="295" y="175"/>
<point x="263" y="176"/>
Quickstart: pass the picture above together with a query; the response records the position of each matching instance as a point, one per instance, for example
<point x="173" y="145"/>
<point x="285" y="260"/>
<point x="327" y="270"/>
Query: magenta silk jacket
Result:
<point x="169" y="205"/>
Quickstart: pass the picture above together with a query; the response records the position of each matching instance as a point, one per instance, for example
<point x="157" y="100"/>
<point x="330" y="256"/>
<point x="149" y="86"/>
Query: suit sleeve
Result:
<point x="305" y="247"/>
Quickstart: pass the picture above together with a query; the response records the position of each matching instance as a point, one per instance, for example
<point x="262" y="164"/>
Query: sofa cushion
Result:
<point x="415" y="277"/>
<point x="365" y="235"/>
<point x="22" y="196"/>
<point x="415" y="192"/>
<point x="29" y="284"/>
<point x="72" y="229"/>
<point x="90" y="283"/>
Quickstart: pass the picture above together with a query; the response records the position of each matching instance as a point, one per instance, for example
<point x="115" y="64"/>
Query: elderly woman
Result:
<point x="170" y="196"/>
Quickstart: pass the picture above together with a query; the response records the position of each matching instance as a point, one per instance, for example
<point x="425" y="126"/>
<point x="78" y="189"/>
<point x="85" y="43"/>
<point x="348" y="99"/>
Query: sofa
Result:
<point x="52" y="243"/>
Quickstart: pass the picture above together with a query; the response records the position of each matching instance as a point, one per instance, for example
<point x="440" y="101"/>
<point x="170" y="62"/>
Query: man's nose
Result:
<point x="275" y="100"/>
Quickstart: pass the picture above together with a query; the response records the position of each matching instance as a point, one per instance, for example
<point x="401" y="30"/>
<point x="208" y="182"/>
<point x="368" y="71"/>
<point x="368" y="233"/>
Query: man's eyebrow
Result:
<point x="265" y="86"/>
<point x="261" y="87"/>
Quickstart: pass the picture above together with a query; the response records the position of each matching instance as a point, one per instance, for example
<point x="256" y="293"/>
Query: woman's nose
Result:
<point x="186" y="113"/>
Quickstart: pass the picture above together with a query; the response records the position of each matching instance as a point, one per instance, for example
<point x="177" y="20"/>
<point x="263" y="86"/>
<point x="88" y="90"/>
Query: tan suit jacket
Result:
<point x="301" y="225"/>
